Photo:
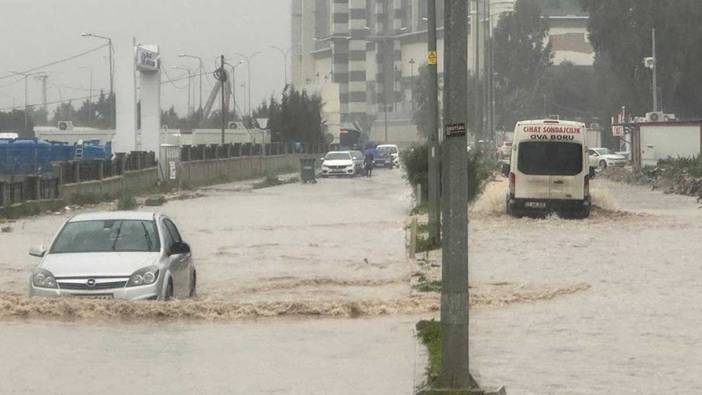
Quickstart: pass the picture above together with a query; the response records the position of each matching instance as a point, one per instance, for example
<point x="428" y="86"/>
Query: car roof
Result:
<point x="115" y="215"/>
<point x="338" y="152"/>
<point x="387" y="145"/>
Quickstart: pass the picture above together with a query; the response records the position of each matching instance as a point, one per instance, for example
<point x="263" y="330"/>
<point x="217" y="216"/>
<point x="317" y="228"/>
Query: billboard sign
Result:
<point x="147" y="58"/>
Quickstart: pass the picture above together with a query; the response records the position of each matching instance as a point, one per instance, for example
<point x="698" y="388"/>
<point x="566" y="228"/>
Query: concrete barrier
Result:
<point x="112" y="187"/>
<point x="204" y="172"/>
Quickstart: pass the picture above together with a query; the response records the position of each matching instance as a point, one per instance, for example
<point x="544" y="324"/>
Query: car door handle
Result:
<point x="558" y="182"/>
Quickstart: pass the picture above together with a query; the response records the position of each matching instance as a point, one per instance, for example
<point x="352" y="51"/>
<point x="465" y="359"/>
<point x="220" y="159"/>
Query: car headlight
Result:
<point x="143" y="276"/>
<point x="43" y="279"/>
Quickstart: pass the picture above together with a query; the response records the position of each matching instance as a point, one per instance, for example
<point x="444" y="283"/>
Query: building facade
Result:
<point x="362" y="56"/>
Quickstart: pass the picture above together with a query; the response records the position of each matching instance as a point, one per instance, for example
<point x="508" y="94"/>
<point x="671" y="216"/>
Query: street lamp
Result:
<point x="184" y="55"/>
<point x="248" y="60"/>
<point x="111" y="67"/>
<point x="233" y="67"/>
<point x="190" y="77"/>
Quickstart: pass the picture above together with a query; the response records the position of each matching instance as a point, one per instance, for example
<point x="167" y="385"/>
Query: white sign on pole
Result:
<point x="147" y="59"/>
<point x="618" y="131"/>
<point x="172" y="168"/>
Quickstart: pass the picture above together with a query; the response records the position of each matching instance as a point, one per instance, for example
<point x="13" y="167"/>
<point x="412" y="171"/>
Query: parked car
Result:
<point x="505" y="150"/>
<point x="115" y="255"/>
<point x="388" y="156"/>
<point x="358" y="159"/>
<point x="603" y="158"/>
<point x="338" y="163"/>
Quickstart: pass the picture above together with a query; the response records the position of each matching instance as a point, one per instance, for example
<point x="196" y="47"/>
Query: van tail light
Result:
<point x="587" y="186"/>
<point x="512" y="183"/>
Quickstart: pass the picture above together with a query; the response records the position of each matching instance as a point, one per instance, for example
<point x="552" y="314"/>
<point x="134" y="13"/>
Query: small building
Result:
<point x="653" y="141"/>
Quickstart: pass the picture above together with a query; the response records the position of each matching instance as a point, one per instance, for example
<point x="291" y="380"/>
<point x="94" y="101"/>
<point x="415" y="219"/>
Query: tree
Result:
<point x="296" y="118"/>
<point x="521" y="61"/>
<point x="620" y="32"/>
<point x="14" y="121"/>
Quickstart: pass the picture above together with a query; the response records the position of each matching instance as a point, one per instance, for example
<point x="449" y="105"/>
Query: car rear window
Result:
<point x="338" y="156"/>
<point x="107" y="236"/>
<point x="550" y="158"/>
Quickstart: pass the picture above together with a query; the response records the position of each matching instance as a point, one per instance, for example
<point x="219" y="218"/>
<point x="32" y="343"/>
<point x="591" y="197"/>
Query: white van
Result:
<point x="549" y="169"/>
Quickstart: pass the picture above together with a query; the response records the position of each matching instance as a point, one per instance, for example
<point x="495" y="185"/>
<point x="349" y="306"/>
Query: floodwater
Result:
<point x="318" y="356"/>
<point x="635" y="330"/>
<point x="607" y="304"/>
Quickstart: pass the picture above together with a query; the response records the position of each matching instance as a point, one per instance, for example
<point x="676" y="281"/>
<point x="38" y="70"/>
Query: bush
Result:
<point x="416" y="164"/>
<point x="126" y="203"/>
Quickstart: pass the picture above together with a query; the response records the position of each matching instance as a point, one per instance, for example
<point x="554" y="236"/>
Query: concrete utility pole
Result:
<point x="455" y="371"/>
<point x="654" y="68"/>
<point x="434" y="175"/>
<point x="478" y="94"/>
<point x="223" y="79"/>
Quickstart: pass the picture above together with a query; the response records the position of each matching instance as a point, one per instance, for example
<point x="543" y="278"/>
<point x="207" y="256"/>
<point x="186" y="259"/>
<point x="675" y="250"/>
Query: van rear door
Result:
<point x="554" y="169"/>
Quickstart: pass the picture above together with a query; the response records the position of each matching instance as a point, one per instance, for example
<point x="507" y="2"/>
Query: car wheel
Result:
<point x="193" y="285"/>
<point x="603" y="165"/>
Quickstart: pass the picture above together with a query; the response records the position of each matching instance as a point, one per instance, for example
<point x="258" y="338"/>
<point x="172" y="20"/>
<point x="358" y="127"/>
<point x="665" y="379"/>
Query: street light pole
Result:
<point x="111" y="68"/>
<point x="248" y="60"/>
<point x="233" y="67"/>
<point x="654" y="68"/>
<point x="411" y="63"/>
<point x="200" y="71"/>
<point x="433" y="152"/>
<point x="26" y="95"/>
<point x="187" y="111"/>
<point x="285" y="54"/>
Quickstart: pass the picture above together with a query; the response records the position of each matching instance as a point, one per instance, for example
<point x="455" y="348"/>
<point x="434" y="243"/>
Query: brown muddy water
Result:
<point x="607" y="304"/>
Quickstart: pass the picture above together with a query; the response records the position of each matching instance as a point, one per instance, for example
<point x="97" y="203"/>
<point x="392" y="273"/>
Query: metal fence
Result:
<point x="28" y="188"/>
<point x="89" y="170"/>
<point x="226" y="151"/>
<point x="17" y="189"/>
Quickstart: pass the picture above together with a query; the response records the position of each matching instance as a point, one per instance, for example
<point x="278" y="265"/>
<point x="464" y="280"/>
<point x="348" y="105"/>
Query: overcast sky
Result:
<point x="36" y="32"/>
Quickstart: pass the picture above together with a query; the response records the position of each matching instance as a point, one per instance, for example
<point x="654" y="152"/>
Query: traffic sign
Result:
<point x="432" y="57"/>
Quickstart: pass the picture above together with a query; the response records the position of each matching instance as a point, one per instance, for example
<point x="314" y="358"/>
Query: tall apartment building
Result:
<point x="362" y="57"/>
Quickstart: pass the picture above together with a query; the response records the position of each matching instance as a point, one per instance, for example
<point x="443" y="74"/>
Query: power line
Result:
<point x="70" y="99"/>
<point x="171" y="81"/>
<point x="55" y="62"/>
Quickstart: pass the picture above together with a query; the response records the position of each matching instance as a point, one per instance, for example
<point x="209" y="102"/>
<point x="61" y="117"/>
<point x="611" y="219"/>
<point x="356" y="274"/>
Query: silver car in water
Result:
<point x="115" y="255"/>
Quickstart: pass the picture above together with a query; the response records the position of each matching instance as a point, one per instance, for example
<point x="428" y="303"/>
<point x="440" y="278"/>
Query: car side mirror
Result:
<point x="37" y="251"/>
<point x="179" y="249"/>
<point x="506" y="169"/>
<point x="592" y="172"/>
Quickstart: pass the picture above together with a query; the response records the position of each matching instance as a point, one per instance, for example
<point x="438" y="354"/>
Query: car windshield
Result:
<point x="550" y="158"/>
<point x="387" y="150"/>
<point x="603" y="151"/>
<point x="338" y="156"/>
<point x="107" y="236"/>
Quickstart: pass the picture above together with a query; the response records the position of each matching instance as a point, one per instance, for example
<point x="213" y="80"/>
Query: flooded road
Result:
<point x="559" y="306"/>
<point x="327" y="356"/>
<point x="634" y="331"/>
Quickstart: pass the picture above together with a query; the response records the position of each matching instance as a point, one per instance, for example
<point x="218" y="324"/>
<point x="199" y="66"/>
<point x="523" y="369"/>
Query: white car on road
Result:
<point x="338" y="163"/>
<point x="393" y="151"/>
<point x="115" y="255"/>
<point x="603" y="158"/>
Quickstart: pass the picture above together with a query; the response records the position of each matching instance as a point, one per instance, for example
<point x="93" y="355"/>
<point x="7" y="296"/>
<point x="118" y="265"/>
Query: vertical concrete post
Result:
<point x="125" y="92"/>
<point x="455" y="372"/>
<point x="433" y="152"/>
